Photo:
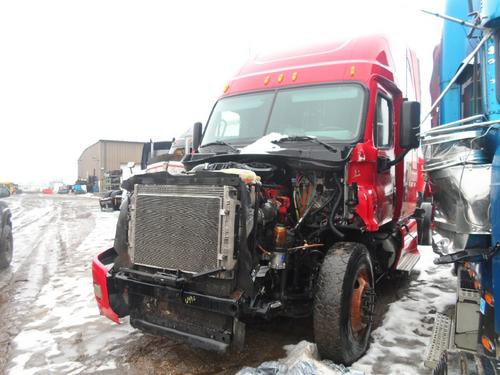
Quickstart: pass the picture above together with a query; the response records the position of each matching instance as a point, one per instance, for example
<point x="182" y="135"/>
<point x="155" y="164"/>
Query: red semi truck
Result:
<point x="301" y="192"/>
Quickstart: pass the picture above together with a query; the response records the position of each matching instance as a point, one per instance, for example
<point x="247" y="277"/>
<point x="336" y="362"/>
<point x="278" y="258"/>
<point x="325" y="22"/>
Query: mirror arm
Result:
<point x="388" y="164"/>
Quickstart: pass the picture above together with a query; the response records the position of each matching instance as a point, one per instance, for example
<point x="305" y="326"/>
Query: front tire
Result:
<point x="344" y="303"/>
<point x="6" y="246"/>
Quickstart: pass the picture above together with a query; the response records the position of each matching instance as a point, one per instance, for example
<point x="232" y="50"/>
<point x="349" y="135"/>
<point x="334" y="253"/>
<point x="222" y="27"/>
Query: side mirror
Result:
<point x="409" y="128"/>
<point x="197" y="134"/>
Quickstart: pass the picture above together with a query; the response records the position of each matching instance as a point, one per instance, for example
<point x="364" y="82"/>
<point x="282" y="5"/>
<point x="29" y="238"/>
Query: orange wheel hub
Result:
<point x="361" y="285"/>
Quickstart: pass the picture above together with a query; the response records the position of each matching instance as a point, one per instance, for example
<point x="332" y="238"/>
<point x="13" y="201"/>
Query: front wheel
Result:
<point x="344" y="303"/>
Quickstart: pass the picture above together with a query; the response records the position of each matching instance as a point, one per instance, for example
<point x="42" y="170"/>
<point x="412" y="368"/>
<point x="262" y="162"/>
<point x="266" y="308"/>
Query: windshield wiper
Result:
<point x="306" y="138"/>
<point x="220" y="143"/>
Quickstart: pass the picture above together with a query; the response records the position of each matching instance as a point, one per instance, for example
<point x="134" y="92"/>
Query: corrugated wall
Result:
<point x="108" y="155"/>
<point x="116" y="153"/>
<point x="89" y="162"/>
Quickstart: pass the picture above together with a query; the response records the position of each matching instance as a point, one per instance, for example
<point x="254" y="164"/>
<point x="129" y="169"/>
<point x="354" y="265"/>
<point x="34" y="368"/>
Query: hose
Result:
<point x="335" y="205"/>
<point x="309" y="207"/>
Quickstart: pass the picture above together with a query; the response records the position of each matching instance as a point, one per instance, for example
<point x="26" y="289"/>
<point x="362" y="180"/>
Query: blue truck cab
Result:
<point x="462" y="156"/>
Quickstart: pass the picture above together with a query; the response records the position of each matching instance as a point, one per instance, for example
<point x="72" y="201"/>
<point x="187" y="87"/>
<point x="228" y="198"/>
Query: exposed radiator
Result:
<point x="183" y="227"/>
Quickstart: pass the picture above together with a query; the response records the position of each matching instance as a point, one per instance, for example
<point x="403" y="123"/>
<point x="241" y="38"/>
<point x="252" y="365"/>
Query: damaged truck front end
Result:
<point x="207" y="250"/>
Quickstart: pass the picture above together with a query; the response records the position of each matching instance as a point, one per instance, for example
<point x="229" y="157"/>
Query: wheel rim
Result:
<point x="359" y="312"/>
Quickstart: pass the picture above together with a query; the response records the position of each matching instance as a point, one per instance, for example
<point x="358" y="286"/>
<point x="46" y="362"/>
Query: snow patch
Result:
<point x="65" y="333"/>
<point x="263" y="145"/>
<point x="398" y="345"/>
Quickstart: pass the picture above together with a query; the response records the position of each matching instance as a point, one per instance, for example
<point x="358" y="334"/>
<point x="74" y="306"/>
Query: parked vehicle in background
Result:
<point x="462" y="155"/>
<point x="111" y="200"/>
<point x="169" y="160"/>
<point x="158" y="157"/>
<point x="299" y="194"/>
<point x="4" y="191"/>
<point x="154" y="152"/>
<point x="79" y="189"/>
<point x="63" y="189"/>
<point x="13" y="188"/>
<point x="6" y="239"/>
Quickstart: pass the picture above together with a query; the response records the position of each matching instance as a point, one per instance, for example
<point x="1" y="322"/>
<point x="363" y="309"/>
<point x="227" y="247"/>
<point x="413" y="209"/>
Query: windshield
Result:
<point x="331" y="112"/>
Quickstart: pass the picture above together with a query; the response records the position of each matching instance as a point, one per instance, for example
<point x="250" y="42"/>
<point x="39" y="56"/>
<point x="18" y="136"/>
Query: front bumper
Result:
<point x="101" y="277"/>
<point x="167" y="307"/>
<point x="160" y="305"/>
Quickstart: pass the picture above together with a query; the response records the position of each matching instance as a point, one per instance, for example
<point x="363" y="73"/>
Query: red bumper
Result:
<point x="100" y="267"/>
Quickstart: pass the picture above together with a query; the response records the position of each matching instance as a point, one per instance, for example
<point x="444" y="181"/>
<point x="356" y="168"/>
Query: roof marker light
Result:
<point x="266" y="80"/>
<point x="226" y="87"/>
<point x="294" y="76"/>
<point x="353" y="71"/>
<point x="281" y="77"/>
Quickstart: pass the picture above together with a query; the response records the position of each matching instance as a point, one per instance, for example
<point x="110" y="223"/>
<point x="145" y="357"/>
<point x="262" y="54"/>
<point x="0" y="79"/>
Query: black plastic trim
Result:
<point x="197" y="341"/>
<point x="223" y="306"/>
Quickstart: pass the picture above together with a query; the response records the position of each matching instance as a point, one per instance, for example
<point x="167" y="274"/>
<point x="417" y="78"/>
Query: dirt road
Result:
<point x="50" y="323"/>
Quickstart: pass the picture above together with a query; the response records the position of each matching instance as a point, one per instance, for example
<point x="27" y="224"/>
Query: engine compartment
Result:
<point x="291" y="219"/>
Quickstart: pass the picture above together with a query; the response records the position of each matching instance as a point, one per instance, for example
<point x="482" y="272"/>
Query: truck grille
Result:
<point x="182" y="227"/>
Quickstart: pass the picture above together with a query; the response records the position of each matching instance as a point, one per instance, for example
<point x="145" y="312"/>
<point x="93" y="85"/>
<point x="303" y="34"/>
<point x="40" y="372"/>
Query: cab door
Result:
<point x="383" y="139"/>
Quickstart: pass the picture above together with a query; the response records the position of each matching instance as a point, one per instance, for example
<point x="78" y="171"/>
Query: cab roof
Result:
<point x="355" y="59"/>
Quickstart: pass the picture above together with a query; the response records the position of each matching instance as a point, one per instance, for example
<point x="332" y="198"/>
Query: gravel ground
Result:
<point x="51" y="323"/>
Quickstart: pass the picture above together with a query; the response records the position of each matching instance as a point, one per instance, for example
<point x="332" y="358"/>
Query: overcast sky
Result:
<point x="73" y="72"/>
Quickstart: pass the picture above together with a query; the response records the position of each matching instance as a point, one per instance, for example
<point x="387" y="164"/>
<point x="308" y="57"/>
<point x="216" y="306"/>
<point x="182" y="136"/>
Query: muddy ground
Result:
<point x="50" y="323"/>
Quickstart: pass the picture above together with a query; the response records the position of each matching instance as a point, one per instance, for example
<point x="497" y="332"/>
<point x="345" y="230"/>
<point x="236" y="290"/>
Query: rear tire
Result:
<point x="344" y="303"/>
<point x="6" y="246"/>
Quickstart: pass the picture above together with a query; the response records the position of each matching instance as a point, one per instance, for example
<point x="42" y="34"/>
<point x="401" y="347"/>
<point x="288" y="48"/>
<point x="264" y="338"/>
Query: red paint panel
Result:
<point x="362" y="170"/>
<point x="99" y="272"/>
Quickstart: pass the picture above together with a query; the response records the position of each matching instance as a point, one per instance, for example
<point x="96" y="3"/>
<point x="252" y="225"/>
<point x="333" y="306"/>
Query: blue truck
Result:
<point x="462" y="163"/>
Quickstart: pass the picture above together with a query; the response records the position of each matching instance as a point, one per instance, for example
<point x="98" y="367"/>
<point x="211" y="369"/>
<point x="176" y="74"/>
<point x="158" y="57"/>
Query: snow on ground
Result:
<point x="51" y="323"/>
<point x="62" y="328"/>
<point x="398" y="345"/>
<point x="64" y="314"/>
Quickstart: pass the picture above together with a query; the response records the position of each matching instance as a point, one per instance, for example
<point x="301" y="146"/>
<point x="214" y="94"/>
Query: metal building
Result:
<point x="106" y="156"/>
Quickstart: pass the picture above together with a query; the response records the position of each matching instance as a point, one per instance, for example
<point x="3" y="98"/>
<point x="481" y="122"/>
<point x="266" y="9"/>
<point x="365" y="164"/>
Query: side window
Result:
<point x="383" y="123"/>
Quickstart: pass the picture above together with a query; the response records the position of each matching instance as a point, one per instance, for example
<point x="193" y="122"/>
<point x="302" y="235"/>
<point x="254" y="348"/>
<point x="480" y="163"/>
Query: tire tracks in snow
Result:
<point x="47" y="229"/>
